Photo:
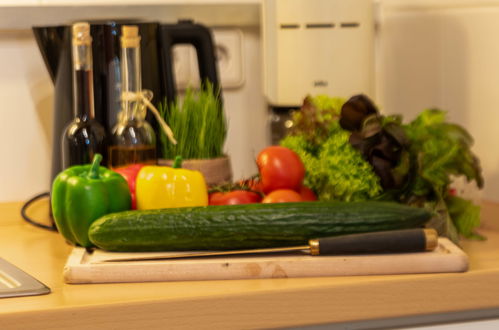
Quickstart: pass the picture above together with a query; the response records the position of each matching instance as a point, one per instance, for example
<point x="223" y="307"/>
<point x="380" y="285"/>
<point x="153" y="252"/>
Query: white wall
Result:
<point x="444" y="54"/>
<point x="247" y="111"/>
<point x="26" y="117"/>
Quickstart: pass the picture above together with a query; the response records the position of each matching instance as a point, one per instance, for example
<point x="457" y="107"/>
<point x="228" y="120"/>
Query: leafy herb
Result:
<point x="198" y="123"/>
<point x="358" y="154"/>
<point x="313" y="121"/>
<point x="355" y="111"/>
<point x="465" y="215"/>
<point x="441" y="221"/>
<point x="335" y="170"/>
<point x="381" y="143"/>
<point x="439" y="150"/>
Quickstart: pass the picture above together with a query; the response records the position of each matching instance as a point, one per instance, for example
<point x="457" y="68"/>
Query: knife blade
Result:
<point x="393" y="241"/>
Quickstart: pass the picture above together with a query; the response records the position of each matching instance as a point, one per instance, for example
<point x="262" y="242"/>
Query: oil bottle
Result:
<point x="133" y="138"/>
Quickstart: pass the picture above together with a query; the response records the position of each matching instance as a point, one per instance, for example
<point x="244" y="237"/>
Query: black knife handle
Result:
<point x="404" y="240"/>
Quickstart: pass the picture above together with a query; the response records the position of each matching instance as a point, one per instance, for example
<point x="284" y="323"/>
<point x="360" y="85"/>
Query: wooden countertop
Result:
<point x="239" y="303"/>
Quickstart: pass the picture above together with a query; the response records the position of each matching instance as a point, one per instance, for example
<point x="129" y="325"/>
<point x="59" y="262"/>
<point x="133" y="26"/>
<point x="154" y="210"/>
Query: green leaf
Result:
<point x="439" y="150"/>
<point x="314" y="119"/>
<point x="334" y="169"/>
<point x="441" y="220"/>
<point x="465" y="215"/>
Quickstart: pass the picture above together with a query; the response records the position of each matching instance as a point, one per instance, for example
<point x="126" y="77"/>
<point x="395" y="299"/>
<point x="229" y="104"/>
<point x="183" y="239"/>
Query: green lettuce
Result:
<point x="465" y="216"/>
<point x="335" y="170"/>
<point x="439" y="151"/>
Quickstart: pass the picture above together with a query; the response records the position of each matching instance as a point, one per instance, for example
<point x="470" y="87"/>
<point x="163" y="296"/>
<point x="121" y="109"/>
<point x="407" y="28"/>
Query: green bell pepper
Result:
<point x="83" y="193"/>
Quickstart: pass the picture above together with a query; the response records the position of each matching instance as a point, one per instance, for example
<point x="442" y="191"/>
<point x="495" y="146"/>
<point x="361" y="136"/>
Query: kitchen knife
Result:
<point x="393" y="241"/>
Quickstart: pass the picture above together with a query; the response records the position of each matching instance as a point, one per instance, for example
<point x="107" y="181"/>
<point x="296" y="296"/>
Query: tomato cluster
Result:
<point x="281" y="174"/>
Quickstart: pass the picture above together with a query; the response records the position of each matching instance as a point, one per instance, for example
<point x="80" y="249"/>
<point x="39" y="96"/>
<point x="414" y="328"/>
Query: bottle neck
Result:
<point x="131" y="81"/>
<point x="83" y="92"/>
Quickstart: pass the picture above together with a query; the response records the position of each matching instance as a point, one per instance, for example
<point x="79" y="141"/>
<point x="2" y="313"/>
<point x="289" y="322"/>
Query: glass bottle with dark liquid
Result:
<point x="133" y="139"/>
<point x="84" y="136"/>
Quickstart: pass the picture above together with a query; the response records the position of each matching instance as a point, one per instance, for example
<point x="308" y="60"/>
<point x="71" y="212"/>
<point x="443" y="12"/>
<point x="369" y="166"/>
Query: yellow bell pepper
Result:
<point x="167" y="187"/>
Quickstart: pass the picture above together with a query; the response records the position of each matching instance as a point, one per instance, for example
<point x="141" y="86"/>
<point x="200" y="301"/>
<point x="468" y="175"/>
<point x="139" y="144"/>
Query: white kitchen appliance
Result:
<point x="313" y="47"/>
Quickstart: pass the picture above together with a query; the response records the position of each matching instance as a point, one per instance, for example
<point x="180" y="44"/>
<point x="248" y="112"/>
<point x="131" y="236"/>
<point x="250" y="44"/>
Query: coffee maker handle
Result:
<point x="197" y="35"/>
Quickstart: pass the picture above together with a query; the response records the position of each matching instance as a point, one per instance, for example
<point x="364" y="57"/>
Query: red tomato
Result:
<point x="280" y="168"/>
<point x="215" y="198"/>
<point x="256" y="186"/>
<point x="234" y="197"/>
<point x="282" y="196"/>
<point x="307" y="194"/>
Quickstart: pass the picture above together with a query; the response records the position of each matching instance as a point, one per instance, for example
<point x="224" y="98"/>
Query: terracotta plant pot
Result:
<point x="216" y="170"/>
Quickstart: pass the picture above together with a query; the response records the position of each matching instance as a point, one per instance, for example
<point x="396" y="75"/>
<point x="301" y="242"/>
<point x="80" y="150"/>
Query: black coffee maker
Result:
<point x="157" y="41"/>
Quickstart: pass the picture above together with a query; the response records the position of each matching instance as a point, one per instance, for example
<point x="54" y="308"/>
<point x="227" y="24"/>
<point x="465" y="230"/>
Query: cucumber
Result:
<point x="247" y="226"/>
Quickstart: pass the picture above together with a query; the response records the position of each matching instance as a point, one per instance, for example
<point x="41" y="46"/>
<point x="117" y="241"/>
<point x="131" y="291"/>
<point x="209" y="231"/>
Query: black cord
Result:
<point x="31" y="221"/>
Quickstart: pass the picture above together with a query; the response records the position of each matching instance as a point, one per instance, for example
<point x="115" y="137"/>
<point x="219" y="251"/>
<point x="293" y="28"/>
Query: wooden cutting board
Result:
<point x="84" y="267"/>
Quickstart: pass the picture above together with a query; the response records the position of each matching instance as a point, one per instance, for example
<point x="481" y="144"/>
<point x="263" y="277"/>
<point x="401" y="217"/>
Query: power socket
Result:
<point x="229" y="56"/>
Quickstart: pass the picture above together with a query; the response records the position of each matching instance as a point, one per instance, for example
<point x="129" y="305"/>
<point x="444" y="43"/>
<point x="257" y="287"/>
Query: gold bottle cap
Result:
<point x="130" y="36"/>
<point x="81" y="33"/>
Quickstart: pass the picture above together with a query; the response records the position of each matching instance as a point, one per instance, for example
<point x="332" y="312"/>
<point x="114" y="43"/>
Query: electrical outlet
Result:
<point x="228" y="54"/>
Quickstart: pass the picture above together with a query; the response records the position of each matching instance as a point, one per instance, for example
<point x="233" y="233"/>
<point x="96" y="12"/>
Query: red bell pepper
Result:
<point x="130" y="173"/>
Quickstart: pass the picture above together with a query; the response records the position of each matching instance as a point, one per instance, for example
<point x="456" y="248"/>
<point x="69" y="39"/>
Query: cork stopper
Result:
<point x="81" y="33"/>
<point x="130" y="36"/>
